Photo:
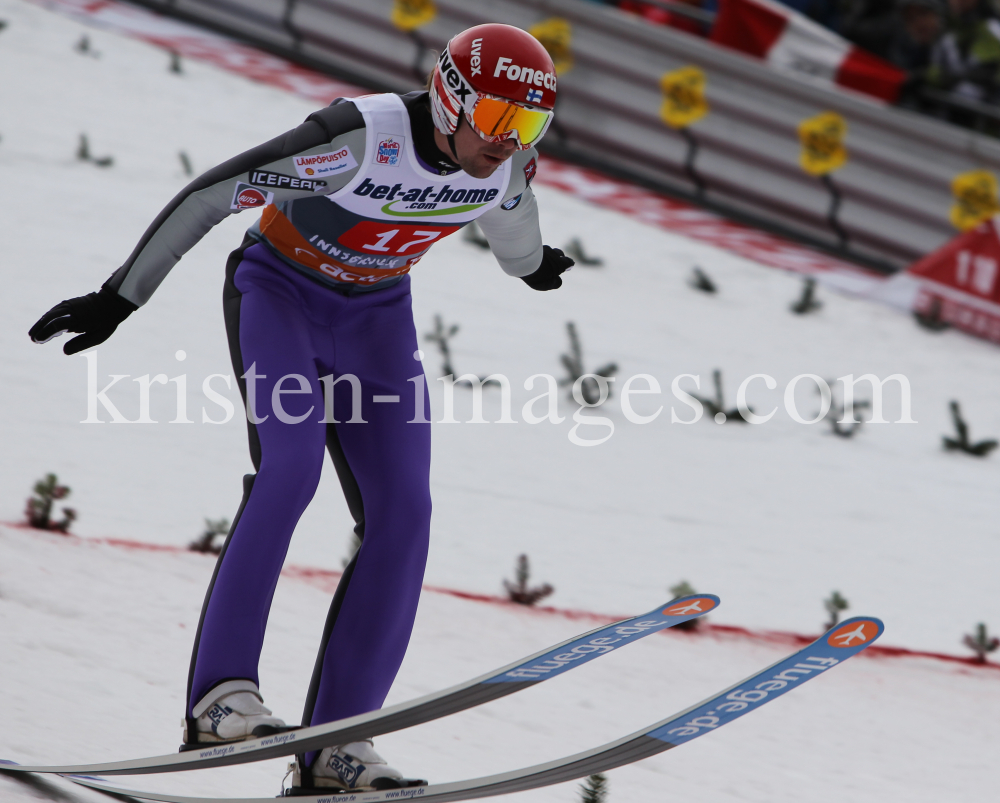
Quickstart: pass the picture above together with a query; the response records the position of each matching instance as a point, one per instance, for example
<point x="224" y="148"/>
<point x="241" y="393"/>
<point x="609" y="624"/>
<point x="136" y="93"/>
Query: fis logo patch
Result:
<point x="247" y="197"/>
<point x="510" y="203"/>
<point x="389" y="150"/>
<point x="529" y="171"/>
<point x="534" y="96"/>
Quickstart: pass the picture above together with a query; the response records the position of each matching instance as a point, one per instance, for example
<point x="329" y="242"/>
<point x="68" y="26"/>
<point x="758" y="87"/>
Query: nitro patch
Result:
<point x="247" y="197"/>
<point x="264" y="178"/>
<point x="325" y="164"/>
<point x="389" y="150"/>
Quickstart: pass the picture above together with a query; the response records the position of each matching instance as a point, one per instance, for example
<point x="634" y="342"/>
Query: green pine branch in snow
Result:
<point x="590" y="389"/>
<point x="519" y="591"/>
<point x="39" y="508"/>
<point x="834" y="604"/>
<point x="981" y="643"/>
<point x="594" y="789"/>
<point x="962" y="441"/>
<point x="208" y="541"/>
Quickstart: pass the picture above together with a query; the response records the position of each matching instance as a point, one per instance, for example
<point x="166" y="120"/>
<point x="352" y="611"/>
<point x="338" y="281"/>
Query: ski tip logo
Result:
<point x="692" y="605"/>
<point x="855" y="633"/>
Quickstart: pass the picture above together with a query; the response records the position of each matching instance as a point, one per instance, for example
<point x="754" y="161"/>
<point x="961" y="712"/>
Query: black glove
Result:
<point x="554" y="262"/>
<point x="95" y="315"/>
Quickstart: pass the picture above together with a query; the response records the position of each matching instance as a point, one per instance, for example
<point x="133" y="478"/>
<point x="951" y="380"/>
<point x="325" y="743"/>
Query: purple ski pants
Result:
<point x="282" y="323"/>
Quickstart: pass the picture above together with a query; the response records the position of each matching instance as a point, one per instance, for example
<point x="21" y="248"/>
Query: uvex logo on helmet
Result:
<point x="475" y="60"/>
<point x="453" y="78"/>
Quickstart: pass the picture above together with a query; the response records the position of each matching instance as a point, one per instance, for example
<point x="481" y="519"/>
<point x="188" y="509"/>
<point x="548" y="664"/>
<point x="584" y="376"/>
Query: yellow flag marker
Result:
<point x="975" y="199"/>
<point x="822" y="140"/>
<point x="683" y="97"/>
<point x="408" y="15"/>
<point x="556" y="37"/>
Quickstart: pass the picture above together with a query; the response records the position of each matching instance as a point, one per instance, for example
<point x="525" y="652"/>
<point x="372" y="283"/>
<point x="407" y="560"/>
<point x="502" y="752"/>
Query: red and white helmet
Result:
<point x="501" y="78"/>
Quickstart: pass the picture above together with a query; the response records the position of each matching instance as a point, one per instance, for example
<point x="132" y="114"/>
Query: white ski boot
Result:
<point x="354" y="766"/>
<point x="232" y="712"/>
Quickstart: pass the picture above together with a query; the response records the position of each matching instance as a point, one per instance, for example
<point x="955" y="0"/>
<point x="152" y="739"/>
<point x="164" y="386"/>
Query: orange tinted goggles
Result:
<point x="493" y="118"/>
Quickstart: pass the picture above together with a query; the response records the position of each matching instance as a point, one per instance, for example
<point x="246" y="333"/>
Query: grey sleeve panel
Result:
<point x="208" y="199"/>
<point x="518" y="179"/>
<point x="514" y="235"/>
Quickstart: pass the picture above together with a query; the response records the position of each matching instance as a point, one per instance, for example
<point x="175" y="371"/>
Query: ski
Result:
<point x="513" y="678"/>
<point x="842" y="642"/>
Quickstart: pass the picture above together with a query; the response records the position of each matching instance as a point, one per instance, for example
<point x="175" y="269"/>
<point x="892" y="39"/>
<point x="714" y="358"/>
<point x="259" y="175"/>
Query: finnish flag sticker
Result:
<point x="534" y="96"/>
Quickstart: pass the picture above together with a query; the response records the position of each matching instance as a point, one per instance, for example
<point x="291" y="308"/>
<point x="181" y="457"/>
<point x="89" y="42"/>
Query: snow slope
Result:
<point x="772" y="518"/>
<point x="96" y="673"/>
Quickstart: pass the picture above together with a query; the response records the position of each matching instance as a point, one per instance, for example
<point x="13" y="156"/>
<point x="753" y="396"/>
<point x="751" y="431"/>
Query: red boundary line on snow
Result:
<point x="322" y="577"/>
<point x="326" y="580"/>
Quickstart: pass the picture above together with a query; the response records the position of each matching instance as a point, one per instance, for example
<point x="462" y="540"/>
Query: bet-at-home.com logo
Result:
<point x="424" y="201"/>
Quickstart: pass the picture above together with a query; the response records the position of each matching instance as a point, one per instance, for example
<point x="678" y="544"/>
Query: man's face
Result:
<point x="475" y="155"/>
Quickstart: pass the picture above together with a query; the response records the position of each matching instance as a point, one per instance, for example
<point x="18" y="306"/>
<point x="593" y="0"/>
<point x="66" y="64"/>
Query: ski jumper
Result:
<point x="318" y="314"/>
